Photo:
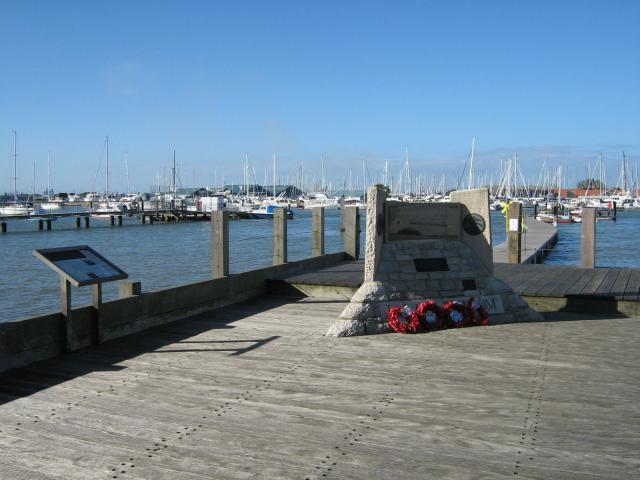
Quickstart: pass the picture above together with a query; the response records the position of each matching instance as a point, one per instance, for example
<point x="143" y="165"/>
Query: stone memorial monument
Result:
<point x="427" y="251"/>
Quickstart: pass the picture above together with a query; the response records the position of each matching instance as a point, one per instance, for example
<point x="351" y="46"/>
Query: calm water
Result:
<point x="166" y="255"/>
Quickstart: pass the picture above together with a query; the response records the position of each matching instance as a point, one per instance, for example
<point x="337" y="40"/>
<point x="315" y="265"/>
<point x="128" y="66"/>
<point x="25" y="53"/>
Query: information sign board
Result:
<point x="81" y="265"/>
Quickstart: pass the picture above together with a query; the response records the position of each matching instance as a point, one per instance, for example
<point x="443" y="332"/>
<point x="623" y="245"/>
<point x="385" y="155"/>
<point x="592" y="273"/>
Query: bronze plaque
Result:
<point x="437" y="264"/>
<point x="421" y="221"/>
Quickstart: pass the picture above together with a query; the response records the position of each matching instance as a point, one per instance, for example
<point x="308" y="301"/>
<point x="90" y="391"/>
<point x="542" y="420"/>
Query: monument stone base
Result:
<point x="411" y="272"/>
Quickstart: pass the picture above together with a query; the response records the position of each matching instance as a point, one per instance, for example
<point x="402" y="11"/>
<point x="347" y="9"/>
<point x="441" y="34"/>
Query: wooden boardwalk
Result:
<point x="537" y="240"/>
<point x="347" y="276"/>
<point x="621" y="284"/>
<point x="257" y="392"/>
<point x="607" y="289"/>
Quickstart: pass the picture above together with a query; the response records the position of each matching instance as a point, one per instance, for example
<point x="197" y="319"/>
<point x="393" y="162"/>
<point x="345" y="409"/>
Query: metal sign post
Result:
<point x="79" y="266"/>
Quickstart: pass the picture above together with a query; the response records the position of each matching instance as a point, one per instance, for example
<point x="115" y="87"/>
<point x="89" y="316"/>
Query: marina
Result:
<point x="320" y="241"/>
<point x="163" y="255"/>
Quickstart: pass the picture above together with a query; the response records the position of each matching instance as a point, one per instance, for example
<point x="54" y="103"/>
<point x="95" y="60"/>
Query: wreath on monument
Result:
<point x="479" y="314"/>
<point x="430" y="315"/>
<point x="403" y="320"/>
<point x="456" y="314"/>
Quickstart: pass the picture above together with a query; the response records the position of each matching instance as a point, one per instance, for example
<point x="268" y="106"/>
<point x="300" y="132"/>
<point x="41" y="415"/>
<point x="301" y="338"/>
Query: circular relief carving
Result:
<point x="473" y="224"/>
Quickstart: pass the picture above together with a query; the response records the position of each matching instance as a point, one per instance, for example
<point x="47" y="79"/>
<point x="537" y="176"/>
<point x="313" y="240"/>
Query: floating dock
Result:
<point x="83" y="218"/>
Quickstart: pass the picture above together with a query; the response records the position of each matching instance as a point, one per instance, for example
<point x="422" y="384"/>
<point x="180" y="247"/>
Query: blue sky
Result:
<point x="348" y="80"/>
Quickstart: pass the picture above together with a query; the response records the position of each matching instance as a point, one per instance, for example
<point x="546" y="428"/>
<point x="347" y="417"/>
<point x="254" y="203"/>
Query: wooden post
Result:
<point x="317" y="227"/>
<point x="65" y="309"/>
<point x="48" y="222"/>
<point x="143" y="219"/>
<point x="129" y="289"/>
<point x="96" y="296"/>
<point x="219" y="243"/>
<point x="341" y="206"/>
<point x="3" y="227"/>
<point x="119" y="220"/>
<point x="279" y="236"/>
<point x="588" y="237"/>
<point x="112" y="220"/>
<point x="86" y="222"/>
<point x="40" y="224"/>
<point x="78" y="222"/>
<point x="351" y="233"/>
<point x="514" y="232"/>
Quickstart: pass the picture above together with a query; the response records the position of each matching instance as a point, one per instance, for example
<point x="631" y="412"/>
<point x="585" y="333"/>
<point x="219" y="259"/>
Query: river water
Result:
<point x="170" y="254"/>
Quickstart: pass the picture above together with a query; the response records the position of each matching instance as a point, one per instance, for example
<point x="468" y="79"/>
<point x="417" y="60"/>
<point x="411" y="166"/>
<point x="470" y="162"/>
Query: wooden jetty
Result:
<point x="544" y="287"/>
<point x="538" y="239"/>
<point x="256" y="391"/>
<point x="83" y="218"/>
<point x="572" y="288"/>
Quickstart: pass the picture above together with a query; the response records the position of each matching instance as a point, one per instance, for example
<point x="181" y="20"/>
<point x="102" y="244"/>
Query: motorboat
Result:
<point x="109" y="208"/>
<point x="320" y="200"/>
<point x="15" y="209"/>
<point x="551" y="218"/>
<point x="264" y="212"/>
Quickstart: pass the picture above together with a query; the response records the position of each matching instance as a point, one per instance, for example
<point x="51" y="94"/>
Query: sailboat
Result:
<point x="15" y="208"/>
<point x="107" y="207"/>
<point x="48" y="205"/>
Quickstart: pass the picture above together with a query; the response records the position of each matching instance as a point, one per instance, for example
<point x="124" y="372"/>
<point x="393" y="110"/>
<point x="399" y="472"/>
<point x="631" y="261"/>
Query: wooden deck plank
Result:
<point x="15" y="472"/>
<point x="605" y="287"/>
<point x="583" y="277"/>
<point x="527" y="271"/>
<point x="555" y="287"/>
<point x="510" y="273"/>
<point x="538" y="279"/>
<point x="620" y="286"/>
<point x="590" y="287"/>
<point x="574" y="277"/>
<point x="632" y="291"/>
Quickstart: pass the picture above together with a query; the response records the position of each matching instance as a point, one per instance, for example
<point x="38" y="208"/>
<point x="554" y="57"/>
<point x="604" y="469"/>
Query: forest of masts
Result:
<point x="507" y="181"/>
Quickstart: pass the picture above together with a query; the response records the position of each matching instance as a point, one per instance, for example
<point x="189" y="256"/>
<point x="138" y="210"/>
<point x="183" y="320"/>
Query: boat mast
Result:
<point x="470" y="184"/>
<point x="624" y="173"/>
<point x="48" y="175"/>
<point x="601" y="176"/>
<point x="126" y="167"/>
<point x="322" y="173"/>
<point x="407" y="183"/>
<point x="274" y="176"/>
<point x="246" y="175"/>
<point x="15" y="166"/>
<point x="173" y="176"/>
<point x="386" y="172"/>
<point x="106" y="186"/>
